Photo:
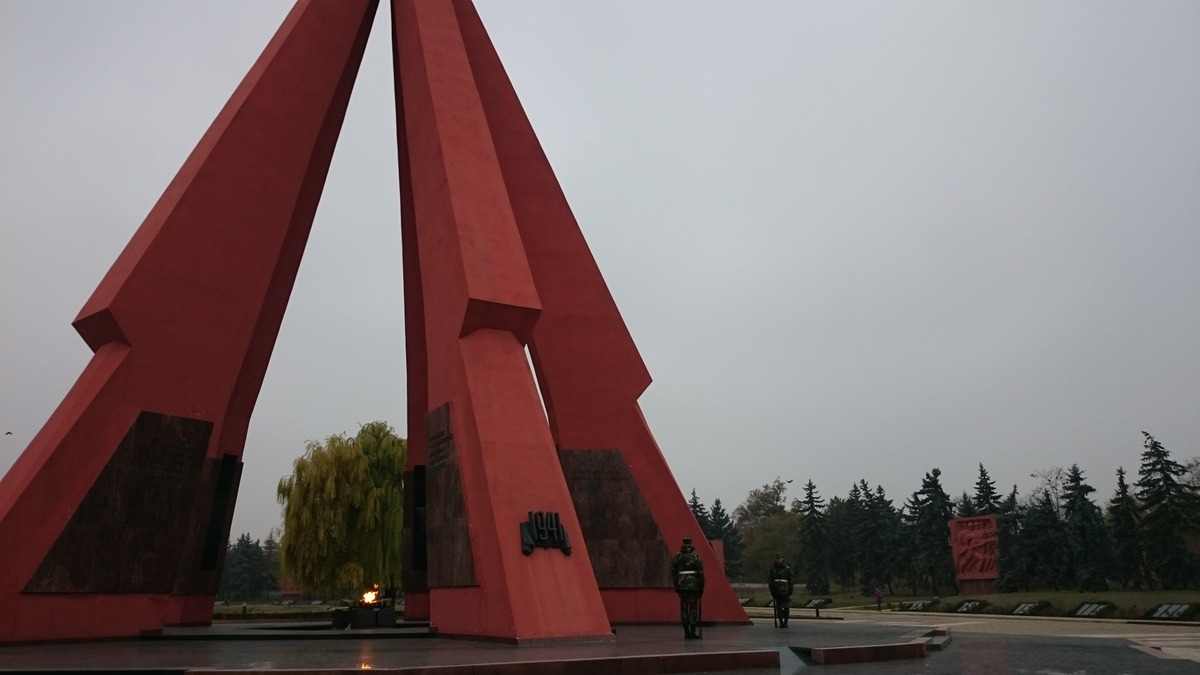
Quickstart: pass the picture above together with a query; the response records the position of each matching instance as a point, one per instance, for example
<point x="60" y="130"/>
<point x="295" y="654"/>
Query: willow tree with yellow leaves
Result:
<point x="343" y="512"/>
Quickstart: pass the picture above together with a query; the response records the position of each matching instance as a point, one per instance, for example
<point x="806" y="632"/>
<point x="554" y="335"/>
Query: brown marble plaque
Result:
<point x="130" y="532"/>
<point x="623" y="541"/>
<point x="450" y="561"/>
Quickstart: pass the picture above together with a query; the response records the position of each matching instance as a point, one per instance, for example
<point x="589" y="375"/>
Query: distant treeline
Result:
<point x="251" y="569"/>
<point x="1146" y="536"/>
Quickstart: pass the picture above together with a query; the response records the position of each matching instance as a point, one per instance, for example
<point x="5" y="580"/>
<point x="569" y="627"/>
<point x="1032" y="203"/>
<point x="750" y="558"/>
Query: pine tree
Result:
<point x="861" y="534"/>
<point x="928" y="515"/>
<point x="907" y="566"/>
<point x="724" y="529"/>
<point x="1011" y="563"/>
<point x="866" y="540"/>
<point x="964" y="507"/>
<point x="878" y="539"/>
<point x="1169" y="511"/>
<point x="270" y="548"/>
<point x="1124" y="528"/>
<point x="842" y="518"/>
<point x="244" y="575"/>
<point x="1087" y="538"/>
<point x="986" y="501"/>
<point x="701" y="514"/>
<point x="1043" y="536"/>
<point x="814" y="541"/>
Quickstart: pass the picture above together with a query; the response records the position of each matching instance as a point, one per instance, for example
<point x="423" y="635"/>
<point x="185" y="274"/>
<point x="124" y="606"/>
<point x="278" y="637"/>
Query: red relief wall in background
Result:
<point x="975" y="547"/>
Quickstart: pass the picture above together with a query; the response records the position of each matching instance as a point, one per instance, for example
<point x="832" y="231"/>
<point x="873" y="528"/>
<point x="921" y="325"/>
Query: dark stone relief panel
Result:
<point x="127" y="534"/>
<point x="450" y="560"/>
<point x="416" y="540"/>
<point x="623" y="541"/>
<point x="227" y="472"/>
<point x="208" y="536"/>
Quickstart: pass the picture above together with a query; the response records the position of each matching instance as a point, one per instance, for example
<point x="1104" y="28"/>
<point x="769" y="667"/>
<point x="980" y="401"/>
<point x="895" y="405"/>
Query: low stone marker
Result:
<point x="830" y="656"/>
<point x="1025" y="608"/>
<point x="918" y="648"/>
<point x="917" y="606"/>
<point x="970" y="606"/>
<point x="1176" y="611"/>
<point x="1092" y="609"/>
<point x="816" y="604"/>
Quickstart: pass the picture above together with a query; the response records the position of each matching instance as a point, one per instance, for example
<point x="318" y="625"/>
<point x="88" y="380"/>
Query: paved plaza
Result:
<point x="980" y="644"/>
<point x="1045" y="646"/>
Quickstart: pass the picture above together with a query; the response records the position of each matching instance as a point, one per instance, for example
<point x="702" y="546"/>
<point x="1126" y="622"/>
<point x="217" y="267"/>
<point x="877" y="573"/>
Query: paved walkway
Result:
<point x="1042" y="644"/>
<point x="981" y="644"/>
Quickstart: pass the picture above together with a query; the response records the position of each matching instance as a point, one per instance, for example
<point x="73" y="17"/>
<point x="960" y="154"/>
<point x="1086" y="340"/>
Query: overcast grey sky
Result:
<point x="851" y="239"/>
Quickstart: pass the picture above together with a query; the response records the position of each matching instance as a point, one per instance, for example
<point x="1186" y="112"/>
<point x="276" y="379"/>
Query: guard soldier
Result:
<point x="687" y="574"/>
<point x="779" y="581"/>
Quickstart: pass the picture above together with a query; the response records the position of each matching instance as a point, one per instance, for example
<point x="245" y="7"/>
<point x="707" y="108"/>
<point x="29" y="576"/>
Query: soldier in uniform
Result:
<point x="779" y="581"/>
<point x="687" y="575"/>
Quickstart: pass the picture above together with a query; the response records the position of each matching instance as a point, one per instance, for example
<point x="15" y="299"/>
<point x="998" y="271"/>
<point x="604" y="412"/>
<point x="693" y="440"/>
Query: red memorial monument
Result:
<point x="115" y="518"/>
<point x="974" y="546"/>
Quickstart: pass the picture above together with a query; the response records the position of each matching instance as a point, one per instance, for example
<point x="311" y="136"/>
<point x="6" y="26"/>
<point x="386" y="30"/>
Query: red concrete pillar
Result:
<point x="591" y="376"/>
<point x="490" y="457"/>
<point x="115" y="518"/>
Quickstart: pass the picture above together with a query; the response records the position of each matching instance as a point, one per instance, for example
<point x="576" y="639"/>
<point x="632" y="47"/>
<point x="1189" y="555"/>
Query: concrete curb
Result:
<point x="1075" y="619"/>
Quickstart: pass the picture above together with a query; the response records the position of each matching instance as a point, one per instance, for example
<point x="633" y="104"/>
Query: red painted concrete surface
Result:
<point x="975" y="548"/>
<point x="184" y="322"/>
<point x="480" y="306"/>
<point x="589" y="369"/>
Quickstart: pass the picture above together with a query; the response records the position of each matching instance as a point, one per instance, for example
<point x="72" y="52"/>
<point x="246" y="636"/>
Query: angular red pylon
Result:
<point x="490" y="459"/>
<point x="591" y="376"/>
<point x="630" y="508"/>
<point x="114" y="520"/>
